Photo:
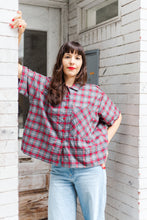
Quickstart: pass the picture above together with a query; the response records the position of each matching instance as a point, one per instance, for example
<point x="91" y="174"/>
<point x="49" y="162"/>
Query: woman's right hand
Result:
<point x="18" y="22"/>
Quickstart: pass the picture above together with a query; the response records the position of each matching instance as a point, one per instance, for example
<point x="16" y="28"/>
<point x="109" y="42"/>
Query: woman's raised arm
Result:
<point x="18" y="22"/>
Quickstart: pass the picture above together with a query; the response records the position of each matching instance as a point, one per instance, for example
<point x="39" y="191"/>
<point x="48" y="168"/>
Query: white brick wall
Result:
<point x="119" y="77"/>
<point x="8" y="113"/>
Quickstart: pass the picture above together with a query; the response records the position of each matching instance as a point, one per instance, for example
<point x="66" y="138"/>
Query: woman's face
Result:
<point x="72" y="63"/>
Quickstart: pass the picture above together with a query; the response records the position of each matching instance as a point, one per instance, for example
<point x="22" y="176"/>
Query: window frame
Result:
<point x="82" y="11"/>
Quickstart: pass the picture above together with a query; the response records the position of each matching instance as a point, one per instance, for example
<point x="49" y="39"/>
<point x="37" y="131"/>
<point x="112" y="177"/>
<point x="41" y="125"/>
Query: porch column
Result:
<point x="8" y="112"/>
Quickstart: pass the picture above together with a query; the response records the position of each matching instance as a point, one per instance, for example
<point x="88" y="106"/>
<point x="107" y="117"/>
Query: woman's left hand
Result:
<point x="103" y="165"/>
<point x="18" y="22"/>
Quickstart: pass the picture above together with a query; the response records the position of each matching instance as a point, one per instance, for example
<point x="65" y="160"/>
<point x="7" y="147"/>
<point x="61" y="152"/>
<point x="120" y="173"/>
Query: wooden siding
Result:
<point x="143" y="114"/>
<point x="119" y="77"/>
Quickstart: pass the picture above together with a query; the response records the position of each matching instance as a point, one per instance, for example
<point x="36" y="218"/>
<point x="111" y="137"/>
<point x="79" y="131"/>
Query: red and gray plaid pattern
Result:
<point x="75" y="131"/>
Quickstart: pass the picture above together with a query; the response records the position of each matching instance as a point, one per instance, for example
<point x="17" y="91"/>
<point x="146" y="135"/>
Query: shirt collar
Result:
<point x="75" y="87"/>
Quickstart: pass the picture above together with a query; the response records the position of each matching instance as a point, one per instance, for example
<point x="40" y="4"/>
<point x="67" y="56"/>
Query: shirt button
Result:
<point x="66" y="106"/>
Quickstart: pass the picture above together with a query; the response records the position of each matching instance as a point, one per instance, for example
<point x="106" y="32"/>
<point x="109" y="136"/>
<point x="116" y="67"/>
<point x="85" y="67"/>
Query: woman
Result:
<point x="69" y="125"/>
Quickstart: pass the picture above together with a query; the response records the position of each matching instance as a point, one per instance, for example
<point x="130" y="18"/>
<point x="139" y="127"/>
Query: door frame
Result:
<point x="62" y="5"/>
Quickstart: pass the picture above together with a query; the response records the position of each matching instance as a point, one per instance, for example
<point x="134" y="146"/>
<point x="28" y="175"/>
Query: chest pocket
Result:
<point x="82" y="122"/>
<point x="60" y="118"/>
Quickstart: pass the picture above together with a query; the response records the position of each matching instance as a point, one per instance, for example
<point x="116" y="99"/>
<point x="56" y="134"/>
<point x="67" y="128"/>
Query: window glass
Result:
<point x="107" y="12"/>
<point x="103" y="11"/>
<point x="33" y="54"/>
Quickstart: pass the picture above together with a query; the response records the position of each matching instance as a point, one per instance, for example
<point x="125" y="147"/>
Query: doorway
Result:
<point x="37" y="51"/>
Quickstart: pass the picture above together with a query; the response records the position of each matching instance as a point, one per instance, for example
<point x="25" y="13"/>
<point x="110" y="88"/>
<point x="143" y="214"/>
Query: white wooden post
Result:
<point x="8" y="112"/>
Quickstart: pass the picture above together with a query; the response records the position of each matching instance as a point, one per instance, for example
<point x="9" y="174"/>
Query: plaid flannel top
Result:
<point x="75" y="131"/>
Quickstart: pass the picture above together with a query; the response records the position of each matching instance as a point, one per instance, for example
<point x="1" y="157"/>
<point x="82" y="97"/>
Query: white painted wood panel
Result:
<point x="8" y="185"/>
<point x="8" y="69"/>
<point x="8" y="172"/>
<point x="9" y="145"/>
<point x="119" y="77"/>
<point x="8" y="118"/>
<point x="9" y="5"/>
<point x="133" y="16"/>
<point x="130" y="7"/>
<point x="7" y="133"/>
<point x="12" y="213"/>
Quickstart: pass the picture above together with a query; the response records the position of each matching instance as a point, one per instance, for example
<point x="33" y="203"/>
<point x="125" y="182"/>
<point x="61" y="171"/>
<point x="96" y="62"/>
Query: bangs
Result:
<point x="71" y="47"/>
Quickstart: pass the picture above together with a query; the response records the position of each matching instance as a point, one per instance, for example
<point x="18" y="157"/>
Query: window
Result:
<point x="33" y="54"/>
<point x="107" y="12"/>
<point x="98" y="12"/>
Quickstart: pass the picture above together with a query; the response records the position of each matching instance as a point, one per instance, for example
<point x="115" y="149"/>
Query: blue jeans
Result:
<point x="89" y="184"/>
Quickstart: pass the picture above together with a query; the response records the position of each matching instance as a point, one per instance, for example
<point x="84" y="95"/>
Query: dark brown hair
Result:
<point x="57" y="88"/>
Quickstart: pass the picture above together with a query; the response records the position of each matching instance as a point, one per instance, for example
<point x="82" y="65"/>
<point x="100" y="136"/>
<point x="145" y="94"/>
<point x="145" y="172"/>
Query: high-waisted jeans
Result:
<point x="89" y="184"/>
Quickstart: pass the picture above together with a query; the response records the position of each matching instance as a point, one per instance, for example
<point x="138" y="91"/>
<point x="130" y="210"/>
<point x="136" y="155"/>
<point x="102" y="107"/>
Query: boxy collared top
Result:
<point x="75" y="131"/>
